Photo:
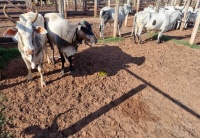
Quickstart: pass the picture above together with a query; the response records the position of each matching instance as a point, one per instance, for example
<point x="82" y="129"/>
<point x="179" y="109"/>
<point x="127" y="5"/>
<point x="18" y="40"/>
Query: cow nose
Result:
<point x="29" y="52"/>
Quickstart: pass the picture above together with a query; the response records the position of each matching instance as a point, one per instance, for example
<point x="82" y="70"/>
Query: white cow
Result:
<point x="31" y="36"/>
<point x="107" y="14"/>
<point x="162" y="21"/>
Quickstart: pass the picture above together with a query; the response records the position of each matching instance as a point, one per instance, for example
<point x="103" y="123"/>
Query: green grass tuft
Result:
<point x="183" y="42"/>
<point x="6" y="55"/>
<point x="102" y="73"/>
<point x="109" y="40"/>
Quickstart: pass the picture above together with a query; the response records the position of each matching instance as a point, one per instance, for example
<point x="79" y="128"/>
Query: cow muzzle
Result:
<point x="92" y="39"/>
<point x="29" y="51"/>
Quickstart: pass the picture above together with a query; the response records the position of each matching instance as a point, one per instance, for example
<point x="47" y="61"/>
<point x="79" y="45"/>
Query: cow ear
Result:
<point x="40" y="30"/>
<point x="10" y="32"/>
<point x="79" y="27"/>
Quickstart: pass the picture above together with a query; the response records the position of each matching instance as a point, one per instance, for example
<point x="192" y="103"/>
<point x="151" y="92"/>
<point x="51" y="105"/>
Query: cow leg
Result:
<point x="48" y="58"/>
<point x="140" y="28"/>
<point x="119" y="26"/>
<point x="101" y="28"/>
<point x="28" y="64"/>
<point x="70" y="64"/>
<point x="138" y="37"/>
<point x="159" y="36"/>
<point x="63" y="62"/>
<point x="102" y="31"/>
<point x="40" y="70"/>
<point x="52" y="49"/>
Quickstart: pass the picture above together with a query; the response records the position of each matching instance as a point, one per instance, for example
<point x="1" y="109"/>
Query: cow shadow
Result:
<point x="108" y="59"/>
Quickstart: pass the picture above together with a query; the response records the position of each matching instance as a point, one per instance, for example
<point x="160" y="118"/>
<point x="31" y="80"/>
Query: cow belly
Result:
<point x="68" y="51"/>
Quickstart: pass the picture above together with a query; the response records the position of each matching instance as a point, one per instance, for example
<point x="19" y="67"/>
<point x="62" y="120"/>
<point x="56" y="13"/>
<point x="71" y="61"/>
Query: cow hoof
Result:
<point x="53" y="61"/>
<point x="62" y="72"/>
<point x="29" y="78"/>
<point x="43" y="84"/>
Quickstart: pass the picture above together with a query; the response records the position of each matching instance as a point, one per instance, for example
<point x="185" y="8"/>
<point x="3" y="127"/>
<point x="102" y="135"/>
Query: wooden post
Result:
<point x="56" y="5"/>
<point x="95" y="8"/>
<point x="116" y="19"/>
<point x="180" y="2"/>
<point x="75" y="5"/>
<point x="84" y="6"/>
<point x="41" y="3"/>
<point x="17" y="7"/>
<point x="61" y="7"/>
<point x="197" y="4"/>
<point x="28" y="5"/>
<point x="134" y="2"/>
<point x="65" y="8"/>
<point x="126" y="19"/>
<point x="185" y="14"/>
<point x="138" y="6"/>
<point x="195" y="29"/>
<point x="108" y="3"/>
<point x="157" y="5"/>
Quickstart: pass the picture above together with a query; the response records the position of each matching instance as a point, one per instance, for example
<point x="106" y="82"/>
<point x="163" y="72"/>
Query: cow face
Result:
<point x="24" y="34"/>
<point x="87" y="34"/>
<point x="127" y="7"/>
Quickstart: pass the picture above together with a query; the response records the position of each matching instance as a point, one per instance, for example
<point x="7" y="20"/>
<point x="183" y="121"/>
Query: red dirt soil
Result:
<point x="150" y="90"/>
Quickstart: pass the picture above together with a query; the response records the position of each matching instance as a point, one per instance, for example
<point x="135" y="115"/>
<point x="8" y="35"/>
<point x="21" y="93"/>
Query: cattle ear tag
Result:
<point x="40" y="30"/>
<point x="10" y="32"/>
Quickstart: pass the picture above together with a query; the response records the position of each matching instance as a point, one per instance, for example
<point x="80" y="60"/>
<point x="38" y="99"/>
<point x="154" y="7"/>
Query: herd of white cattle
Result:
<point x="168" y="18"/>
<point x="33" y="30"/>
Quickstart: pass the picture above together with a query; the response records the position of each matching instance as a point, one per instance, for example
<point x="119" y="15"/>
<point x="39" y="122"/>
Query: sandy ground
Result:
<point x="123" y="90"/>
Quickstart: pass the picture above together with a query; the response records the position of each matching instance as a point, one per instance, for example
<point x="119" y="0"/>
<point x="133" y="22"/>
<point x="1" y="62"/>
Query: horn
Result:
<point x="10" y="18"/>
<point x="35" y="18"/>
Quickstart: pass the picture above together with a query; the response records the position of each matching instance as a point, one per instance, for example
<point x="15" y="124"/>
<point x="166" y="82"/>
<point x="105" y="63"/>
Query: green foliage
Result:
<point x="110" y="40"/>
<point x="6" y="55"/>
<point x="102" y="73"/>
<point x="183" y="42"/>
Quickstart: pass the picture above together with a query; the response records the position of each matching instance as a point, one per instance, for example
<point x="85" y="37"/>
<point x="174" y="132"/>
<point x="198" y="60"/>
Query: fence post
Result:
<point x="56" y="4"/>
<point x="126" y="19"/>
<point x="75" y="5"/>
<point x="61" y="7"/>
<point x="195" y="29"/>
<point x="95" y="8"/>
<point x="116" y="19"/>
<point x="197" y="4"/>
<point x="108" y="3"/>
<point x="185" y="14"/>
<point x="157" y="5"/>
<point x="138" y="6"/>
<point x="65" y="8"/>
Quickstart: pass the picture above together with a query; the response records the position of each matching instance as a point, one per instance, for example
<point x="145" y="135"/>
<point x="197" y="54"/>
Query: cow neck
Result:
<point x="76" y="39"/>
<point x="36" y="43"/>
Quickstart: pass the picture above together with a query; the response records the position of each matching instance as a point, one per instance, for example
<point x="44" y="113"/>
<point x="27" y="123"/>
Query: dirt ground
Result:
<point x="123" y="90"/>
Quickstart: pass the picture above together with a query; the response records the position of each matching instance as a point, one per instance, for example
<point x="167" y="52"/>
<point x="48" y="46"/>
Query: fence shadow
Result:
<point x="54" y="132"/>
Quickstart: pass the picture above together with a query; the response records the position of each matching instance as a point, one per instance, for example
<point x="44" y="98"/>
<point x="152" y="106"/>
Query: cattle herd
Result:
<point x="32" y="31"/>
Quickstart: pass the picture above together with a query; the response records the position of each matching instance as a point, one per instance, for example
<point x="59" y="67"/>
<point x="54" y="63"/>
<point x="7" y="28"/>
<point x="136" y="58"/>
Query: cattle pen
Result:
<point x="115" y="88"/>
